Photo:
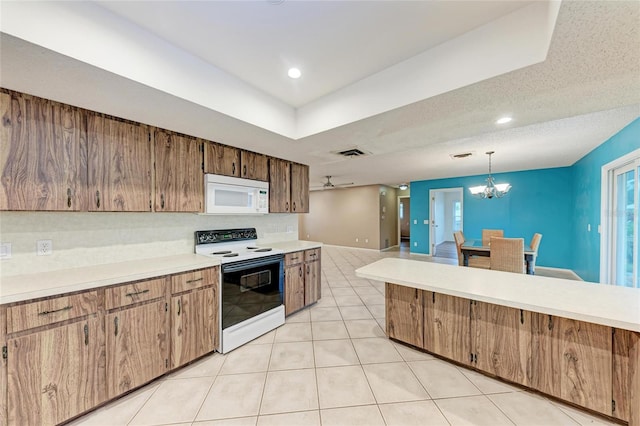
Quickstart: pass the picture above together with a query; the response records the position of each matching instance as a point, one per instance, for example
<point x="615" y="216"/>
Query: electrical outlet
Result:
<point x="5" y="250"/>
<point x="415" y="244"/>
<point x="357" y="240"/>
<point x="44" y="247"/>
<point x="366" y="240"/>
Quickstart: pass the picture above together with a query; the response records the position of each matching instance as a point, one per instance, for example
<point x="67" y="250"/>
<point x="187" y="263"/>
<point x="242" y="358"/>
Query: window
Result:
<point x="457" y="216"/>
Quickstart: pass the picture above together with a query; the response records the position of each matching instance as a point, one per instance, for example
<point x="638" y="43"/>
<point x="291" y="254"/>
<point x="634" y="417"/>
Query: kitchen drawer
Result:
<point x="194" y="279"/>
<point x="293" y="258"/>
<point x="135" y="292"/>
<point x="49" y="311"/>
<point x="312" y="255"/>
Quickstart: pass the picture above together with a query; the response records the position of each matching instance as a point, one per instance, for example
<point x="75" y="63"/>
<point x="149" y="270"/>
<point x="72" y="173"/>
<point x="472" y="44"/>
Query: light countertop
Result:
<point x="595" y="303"/>
<point x="31" y="286"/>
<point x="295" y="245"/>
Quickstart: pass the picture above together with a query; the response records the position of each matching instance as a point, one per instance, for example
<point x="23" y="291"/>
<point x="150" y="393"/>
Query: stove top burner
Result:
<point x="263" y="249"/>
<point x="230" y="255"/>
<point x="222" y="252"/>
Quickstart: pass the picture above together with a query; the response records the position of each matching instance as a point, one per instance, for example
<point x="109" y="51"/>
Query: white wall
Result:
<point x="83" y="239"/>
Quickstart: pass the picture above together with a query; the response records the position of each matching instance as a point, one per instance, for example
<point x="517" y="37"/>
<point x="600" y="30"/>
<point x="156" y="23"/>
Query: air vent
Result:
<point x="461" y="155"/>
<point x="353" y="152"/>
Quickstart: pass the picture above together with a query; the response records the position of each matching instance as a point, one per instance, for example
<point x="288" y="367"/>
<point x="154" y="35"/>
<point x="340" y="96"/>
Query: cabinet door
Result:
<point x="501" y="341"/>
<point x="55" y="374"/>
<point x="119" y="165"/>
<point x="544" y="374"/>
<point x="194" y="325"/>
<point x="404" y="314"/>
<point x="279" y="185"/>
<point x="293" y="288"/>
<point x="447" y="326"/>
<point x="626" y="375"/>
<point x="178" y="168"/>
<point x="254" y="166"/>
<point x="42" y="154"/>
<point x="221" y="159"/>
<point x="136" y="346"/>
<point x="312" y="282"/>
<point x="299" y="188"/>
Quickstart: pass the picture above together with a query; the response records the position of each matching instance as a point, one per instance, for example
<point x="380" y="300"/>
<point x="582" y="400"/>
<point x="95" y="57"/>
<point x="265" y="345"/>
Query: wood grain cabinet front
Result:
<point x="405" y="314"/>
<point x="312" y="277"/>
<point x="302" y="279"/>
<point x="254" y="166"/>
<point x="288" y="187"/>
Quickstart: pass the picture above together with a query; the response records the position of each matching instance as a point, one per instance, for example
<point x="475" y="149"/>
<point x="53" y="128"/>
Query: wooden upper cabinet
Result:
<point x="221" y="159"/>
<point x="299" y="188"/>
<point x="119" y="165"/>
<point x="254" y="166"/>
<point x="42" y="154"/>
<point x="279" y="186"/>
<point x="178" y="167"/>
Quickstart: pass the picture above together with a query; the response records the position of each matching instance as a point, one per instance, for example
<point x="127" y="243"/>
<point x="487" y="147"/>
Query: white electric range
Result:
<point x="251" y="285"/>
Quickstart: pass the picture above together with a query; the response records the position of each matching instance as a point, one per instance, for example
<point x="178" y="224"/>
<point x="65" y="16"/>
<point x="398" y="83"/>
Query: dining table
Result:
<point x="476" y="248"/>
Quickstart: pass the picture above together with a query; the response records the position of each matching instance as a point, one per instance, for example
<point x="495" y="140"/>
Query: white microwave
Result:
<point x="232" y="195"/>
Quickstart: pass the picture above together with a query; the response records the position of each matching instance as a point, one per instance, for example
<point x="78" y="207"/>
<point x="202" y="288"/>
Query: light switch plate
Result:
<point x="5" y="250"/>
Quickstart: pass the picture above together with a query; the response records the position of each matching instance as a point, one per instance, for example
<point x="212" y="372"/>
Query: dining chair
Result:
<point x="535" y="243"/>
<point x="488" y="233"/>
<point x="507" y="254"/>
<point x="474" y="261"/>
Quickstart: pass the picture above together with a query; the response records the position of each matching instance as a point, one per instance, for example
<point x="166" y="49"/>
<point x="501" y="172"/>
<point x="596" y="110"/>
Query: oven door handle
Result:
<point x="250" y="263"/>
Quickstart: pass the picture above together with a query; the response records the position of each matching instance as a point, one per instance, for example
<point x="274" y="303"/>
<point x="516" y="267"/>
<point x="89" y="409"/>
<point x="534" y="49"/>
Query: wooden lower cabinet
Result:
<point x="293" y="288"/>
<point x="302" y="279"/>
<point x="136" y="346"/>
<point x="447" y="326"/>
<point x="404" y="314"/>
<point x="626" y="376"/>
<point x="55" y="374"/>
<point x="312" y="282"/>
<point x="194" y="325"/>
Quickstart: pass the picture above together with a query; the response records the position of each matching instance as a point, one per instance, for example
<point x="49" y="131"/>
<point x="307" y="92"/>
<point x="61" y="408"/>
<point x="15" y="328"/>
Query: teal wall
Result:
<point x="559" y="203"/>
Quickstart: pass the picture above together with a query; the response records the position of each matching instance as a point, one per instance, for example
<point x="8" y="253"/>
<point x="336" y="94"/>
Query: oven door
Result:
<point x="251" y="287"/>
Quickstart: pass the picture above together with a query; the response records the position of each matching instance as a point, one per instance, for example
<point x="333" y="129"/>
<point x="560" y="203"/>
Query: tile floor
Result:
<point x="331" y="364"/>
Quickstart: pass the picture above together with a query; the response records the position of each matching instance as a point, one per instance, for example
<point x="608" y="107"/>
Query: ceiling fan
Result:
<point x="330" y="185"/>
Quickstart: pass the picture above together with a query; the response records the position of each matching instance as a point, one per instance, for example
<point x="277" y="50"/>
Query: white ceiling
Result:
<point x="583" y="88"/>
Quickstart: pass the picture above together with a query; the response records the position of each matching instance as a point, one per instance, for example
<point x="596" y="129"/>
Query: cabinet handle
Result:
<point x="68" y="197"/>
<point x="308" y="270"/>
<point x="98" y="199"/>
<point x="521" y="316"/>
<point x="433" y="297"/>
<point x="178" y="307"/>
<point x="194" y="280"/>
<point x="300" y="271"/>
<point x="286" y="206"/>
<point x="115" y="324"/>
<point x="244" y="170"/>
<point x="294" y="206"/>
<point x="550" y="325"/>
<point x="162" y="201"/>
<point x="66" y="308"/>
<point x="135" y="293"/>
<point x="233" y="168"/>
<point x="86" y="334"/>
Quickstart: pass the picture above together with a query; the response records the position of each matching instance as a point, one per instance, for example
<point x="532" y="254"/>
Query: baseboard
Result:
<point x="349" y="247"/>
<point x="569" y="271"/>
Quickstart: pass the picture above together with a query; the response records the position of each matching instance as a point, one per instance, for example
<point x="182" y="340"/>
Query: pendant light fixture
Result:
<point x="491" y="189"/>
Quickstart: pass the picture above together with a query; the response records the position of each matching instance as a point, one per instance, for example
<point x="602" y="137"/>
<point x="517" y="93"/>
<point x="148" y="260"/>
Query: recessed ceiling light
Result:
<point x="504" y="120"/>
<point x="294" y="73"/>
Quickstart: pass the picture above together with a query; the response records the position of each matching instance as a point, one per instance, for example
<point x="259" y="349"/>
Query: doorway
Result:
<point x="620" y="264"/>
<point x="404" y="223"/>
<point x="446" y="211"/>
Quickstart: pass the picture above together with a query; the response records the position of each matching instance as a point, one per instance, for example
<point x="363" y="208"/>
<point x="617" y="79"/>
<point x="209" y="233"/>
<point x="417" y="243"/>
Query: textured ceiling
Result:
<point x="586" y="90"/>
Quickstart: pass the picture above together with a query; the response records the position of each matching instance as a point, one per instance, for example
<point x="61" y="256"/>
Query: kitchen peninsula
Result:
<point x="575" y="341"/>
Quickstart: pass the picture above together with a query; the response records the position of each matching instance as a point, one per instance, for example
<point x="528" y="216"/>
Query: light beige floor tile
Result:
<point x="373" y="299"/>
<point x="175" y="401"/>
<point x="378" y="286"/>
<point x="343" y="387"/>
<point x="525" y="408"/>
<point x="359" y="282"/>
<point x="294" y="332"/>
<point x="382" y="323"/>
<point x="416" y="413"/>
<point x="443" y="380"/>
<point x="291" y="356"/>
<point x="237" y="395"/>
<point x="472" y="410"/>
<point x="378" y="311"/>
<point x="119" y="412"/>
<point x="374" y="350"/>
<point x="238" y="421"/>
<point x="325" y="302"/>
<point x="411" y="354"/>
<point x="338" y="283"/>
<point x="325" y="314"/>
<point x="247" y="359"/>
<point x="264" y="339"/>
<point x="300" y="316"/>
<point x="331" y="353"/>
<point x="364" y="328"/>
<point x="487" y="385"/>
<point x="394" y="382"/>
<point x="288" y="391"/>
<point x="329" y="330"/>
<point x="206" y="367"/>
<point x="348" y="300"/>
<point x="582" y="417"/>
<point x="364" y="290"/>
<point x="343" y="291"/>
<point x="303" y="418"/>
<point x="355" y="312"/>
<point x="366" y="415"/>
